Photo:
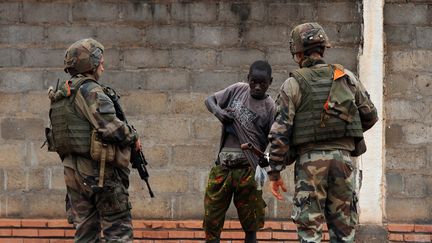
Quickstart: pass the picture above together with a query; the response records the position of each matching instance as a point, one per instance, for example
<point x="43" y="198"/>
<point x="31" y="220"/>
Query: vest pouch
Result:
<point x="96" y="148"/>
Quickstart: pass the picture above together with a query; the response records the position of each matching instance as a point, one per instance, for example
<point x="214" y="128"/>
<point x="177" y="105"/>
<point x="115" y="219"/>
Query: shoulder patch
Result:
<point x="338" y="72"/>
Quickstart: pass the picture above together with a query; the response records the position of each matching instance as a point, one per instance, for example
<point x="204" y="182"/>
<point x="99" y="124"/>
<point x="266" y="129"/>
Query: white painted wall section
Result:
<point x="371" y="72"/>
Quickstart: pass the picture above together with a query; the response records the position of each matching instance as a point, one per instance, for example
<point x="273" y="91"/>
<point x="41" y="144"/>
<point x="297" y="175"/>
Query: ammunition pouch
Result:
<point x="115" y="155"/>
<point x="98" y="147"/>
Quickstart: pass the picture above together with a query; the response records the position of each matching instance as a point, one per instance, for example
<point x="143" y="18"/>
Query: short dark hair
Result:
<point x="317" y="49"/>
<point x="261" y="65"/>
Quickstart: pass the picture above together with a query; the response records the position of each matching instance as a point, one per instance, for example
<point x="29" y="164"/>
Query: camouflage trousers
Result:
<point x="92" y="212"/>
<point x="325" y="193"/>
<point x="222" y="185"/>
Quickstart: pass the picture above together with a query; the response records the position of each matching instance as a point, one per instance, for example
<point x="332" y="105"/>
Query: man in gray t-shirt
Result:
<point x="246" y="112"/>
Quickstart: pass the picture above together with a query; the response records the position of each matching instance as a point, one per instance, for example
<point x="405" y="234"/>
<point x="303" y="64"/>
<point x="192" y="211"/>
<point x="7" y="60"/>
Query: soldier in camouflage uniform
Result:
<point x="233" y="176"/>
<point x="78" y="107"/>
<point x="322" y="113"/>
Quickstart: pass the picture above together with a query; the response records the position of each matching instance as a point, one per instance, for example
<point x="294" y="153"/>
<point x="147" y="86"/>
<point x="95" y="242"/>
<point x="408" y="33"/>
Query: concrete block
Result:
<point x="240" y="57"/>
<point x="347" y="11"/>
<point x="51" y="202"/>
<point x="9" y="12"/>
<point x="38" y="179"/>
<point x="146" y="58"/>
<point x="400" y="85"/>
<point x="186" y="206"/>
<point x="416" y="133"/>
<point x="201" y="12"/>
<point x="395" y="183"/>
<point x="165" y="130"/>
<point x="140" y="103"/>
<point x="393" y="134"/>
<point x="212" y="81"/>
<point x="406" y="159"/>
<point x="404" y="14"/>
<point x="69" y="34"/>
<point x="188" y="103"/>
<point x="401" y="35"/>
<point x="234" y="12"/>
<point x="197" y="156"/>
<point x="194" y="58"/>
<point x="286" y="13"/>
<point x="168" y="35"/>
<point x="36" y="102"/>
<point x="407" y="209"/>
<point x="145" y="12"/>
<point x="95" y="11"/>
<point x="215" y="36"/>
<point x="280" y="57"/>
<point x="200" y="179"/>
<point x="348" y="55"/>
<point x="111" y="59"/>
<point x="415" y="186"/>
<point x="43" y="58"/>
<point x="124" y="80"/>
<point x="158" y="156"/>
<point x="10" y="57"/>
<point x="144" y="207"/>
<point x="423" y="34"/>
<point x="55" y="178"/>
<point x="270" y="35"/>
<point x="12" y="155"/>
<point x="13" y="34"/>
<point x="43" y="12"/>
<point x="168" y="80"/>
<point x="401" y="109"/>
<point x="21" y="81"/>
<point x="209" y="129"/>
<point x="16" y="179"/>
<point x="349" y="33"/>
<point x="15" y="205"/>
<point x="423" y="84"/>
<point x="22" y="128"/>
<point x="114" y="35"/>
<point x="6" y="106"/>
<point x="45" y="158"/>
<point x="400" y="61"/>
<point x="170" y="181"/>
<point x="420" y="60"/>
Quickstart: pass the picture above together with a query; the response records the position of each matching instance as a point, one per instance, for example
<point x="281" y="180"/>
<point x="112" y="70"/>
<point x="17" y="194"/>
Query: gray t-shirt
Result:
<point x="254" y="115"/>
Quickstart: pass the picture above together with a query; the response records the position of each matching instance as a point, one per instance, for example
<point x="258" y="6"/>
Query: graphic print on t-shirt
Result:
<point x="243" y="114"/>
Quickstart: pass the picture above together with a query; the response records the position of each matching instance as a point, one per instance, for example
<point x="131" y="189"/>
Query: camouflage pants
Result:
<point x="108" y="210"/>
<point x="222" y="185"/>
<point x="325" y="192"/>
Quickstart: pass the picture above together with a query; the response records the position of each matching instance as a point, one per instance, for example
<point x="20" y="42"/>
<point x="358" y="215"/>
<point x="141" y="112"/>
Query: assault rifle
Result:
<point x="137" y="159"/>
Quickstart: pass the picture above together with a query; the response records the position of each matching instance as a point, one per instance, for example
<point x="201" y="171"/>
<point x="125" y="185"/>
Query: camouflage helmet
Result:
<point x="306" y="36"/>
<point x="83" y="56"/>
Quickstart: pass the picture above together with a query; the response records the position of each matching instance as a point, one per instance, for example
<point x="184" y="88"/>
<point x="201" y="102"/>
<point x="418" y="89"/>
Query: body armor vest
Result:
<point x="71" y="132"/>
<point x="311" y="122"/>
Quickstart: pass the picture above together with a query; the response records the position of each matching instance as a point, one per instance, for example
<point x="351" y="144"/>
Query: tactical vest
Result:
<point x="71" y="132"/>
<point x="311" y="122"/>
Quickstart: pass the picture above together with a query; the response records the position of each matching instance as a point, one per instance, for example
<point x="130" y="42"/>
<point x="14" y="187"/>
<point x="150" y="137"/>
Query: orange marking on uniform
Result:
<point x="338" y="73"/>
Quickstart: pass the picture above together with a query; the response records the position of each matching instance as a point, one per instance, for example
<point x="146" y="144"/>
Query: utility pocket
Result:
<point x="113" y="200"/>
<point x="301" y="203"/>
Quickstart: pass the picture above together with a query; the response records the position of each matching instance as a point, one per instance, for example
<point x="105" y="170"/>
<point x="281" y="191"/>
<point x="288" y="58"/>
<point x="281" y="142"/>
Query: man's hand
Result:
<point x="138" y="145"/>
<point x="274" y="187"/>
<point x="225" y="116"/>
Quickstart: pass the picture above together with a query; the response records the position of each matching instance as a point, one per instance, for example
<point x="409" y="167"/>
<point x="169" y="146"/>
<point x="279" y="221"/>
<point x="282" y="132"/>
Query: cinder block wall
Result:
<point x="408" y="98"/>
<point x="164" y="57"/>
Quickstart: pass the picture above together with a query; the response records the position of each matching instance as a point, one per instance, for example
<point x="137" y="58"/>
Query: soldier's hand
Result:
<point x="138" y="145"/>
<point x="225" y="116"/>
<point x="274" y="187"/>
